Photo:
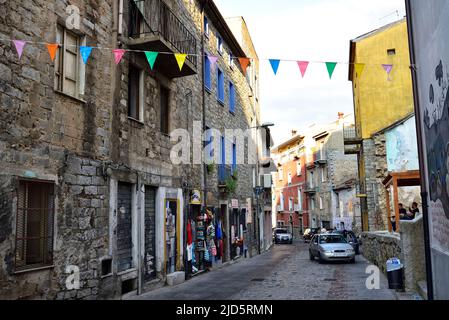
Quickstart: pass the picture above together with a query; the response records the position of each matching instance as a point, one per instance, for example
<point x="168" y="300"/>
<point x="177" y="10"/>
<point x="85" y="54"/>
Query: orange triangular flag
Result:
<point x="244" y="63"/>
<point x="52" y="48"/>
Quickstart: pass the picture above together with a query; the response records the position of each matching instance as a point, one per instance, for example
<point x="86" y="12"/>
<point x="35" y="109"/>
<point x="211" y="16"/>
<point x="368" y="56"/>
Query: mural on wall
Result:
<point x="436" y="120"/>
<point x="402" y="147"/>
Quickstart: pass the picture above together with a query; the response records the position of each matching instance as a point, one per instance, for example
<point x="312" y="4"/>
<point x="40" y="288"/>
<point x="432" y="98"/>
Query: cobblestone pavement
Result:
<point x="283" y="273"/>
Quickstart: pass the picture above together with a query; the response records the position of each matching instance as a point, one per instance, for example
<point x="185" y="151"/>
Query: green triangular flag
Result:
<point x="331" y="68"/>
<point x="151" y="57"/>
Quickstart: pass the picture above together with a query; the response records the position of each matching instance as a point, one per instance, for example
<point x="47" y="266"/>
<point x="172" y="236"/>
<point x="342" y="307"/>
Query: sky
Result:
<point x="307" y="30"/>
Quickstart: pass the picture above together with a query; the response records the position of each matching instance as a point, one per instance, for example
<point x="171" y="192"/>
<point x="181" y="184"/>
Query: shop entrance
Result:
<point x="171" y="236"/>
<point x="150" y="234"/>
<point x="225" y="234"/>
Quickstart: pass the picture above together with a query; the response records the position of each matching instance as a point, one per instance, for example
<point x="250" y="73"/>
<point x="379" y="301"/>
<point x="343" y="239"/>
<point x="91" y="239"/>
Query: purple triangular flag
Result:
<point x="19" y="44"/>
<point x="388" y="68"/>
<point x="213" y="60"/>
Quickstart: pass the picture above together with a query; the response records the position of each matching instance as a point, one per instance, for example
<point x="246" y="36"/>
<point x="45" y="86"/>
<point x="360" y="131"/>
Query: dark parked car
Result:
<point x="351" y="238"/>
<point x="309" y="233"/>
<point x="281" y="235"/>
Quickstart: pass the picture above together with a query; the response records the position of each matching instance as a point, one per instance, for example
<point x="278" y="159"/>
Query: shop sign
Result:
<point x="196" y="197"/>
<point x="234" y="204"/>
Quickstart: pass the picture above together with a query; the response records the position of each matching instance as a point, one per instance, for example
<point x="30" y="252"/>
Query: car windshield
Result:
<point x="332" y="239"/>
<point x="281" y="231"/>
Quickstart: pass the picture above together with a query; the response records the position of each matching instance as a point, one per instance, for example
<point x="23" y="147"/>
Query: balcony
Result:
<point x="224" y="174"/>
<point x="352" y="139"/>
<point x="310" y="188"/>
<point x="154" y="27"/>
<point x="320" y="159"/>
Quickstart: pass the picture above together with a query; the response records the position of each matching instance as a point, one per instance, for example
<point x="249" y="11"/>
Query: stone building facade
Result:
<point x="88" y="190"/>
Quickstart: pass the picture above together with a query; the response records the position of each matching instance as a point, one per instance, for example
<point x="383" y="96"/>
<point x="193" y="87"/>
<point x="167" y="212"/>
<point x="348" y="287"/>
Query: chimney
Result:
<point x="340" y="115"/>
<point x="294" y="132"/>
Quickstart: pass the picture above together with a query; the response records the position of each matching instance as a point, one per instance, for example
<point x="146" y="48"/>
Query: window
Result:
<point x="206" y="27"/>
<point x="323" y="174"/>
<point x="391" y="52"/>
<point x="337" y="199"/>
<point x="299" y="199"/>
<point x="231" y="98"/>
<point x="281" y="173"/>
<point x="220" y="86"/>
<point x="322" y="155"/>
<point x="231" y="61"/>
<point x="223" y="159"/>
<point x="321" y="203"/>
<point x="298" y="168"/>
<point x="34" y="235"/>
<point x="208" y="146"/>
<point x="234" y="158"/>
<point x="312" y="203"/>
<point x="165" y="110"/>
<point x="69" y="69"/>
<point x="312" y="182"/>
<point x="289" y="178"/>
<point x="282" y="201"/>
<point x="290" y="204"/>
<point x="207" y="79"/>
<point x="135" y="93"/>
<point x="220" y="45"/>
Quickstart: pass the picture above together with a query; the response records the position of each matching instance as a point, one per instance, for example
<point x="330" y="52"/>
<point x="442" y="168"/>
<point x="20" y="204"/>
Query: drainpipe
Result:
<point x="203" y="91"/>
<point x="421" y="151"/>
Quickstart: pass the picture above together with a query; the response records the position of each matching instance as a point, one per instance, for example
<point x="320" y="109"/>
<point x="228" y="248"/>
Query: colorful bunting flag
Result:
<point x="275" y="65"/>
<point x="151" y="57"/>
<point x="181" y="59"/>
<point x="19" y="44"/>
<point x="213" y="60"/>
<point x="244" y="63"/>
<point x="118" y="55"/>
<point x="303" y="67"/>
<point x="85" y="53"/>
<point x="388" y="68"/>
<point x="331" y="68"/>
<point x="359" y="67"/>
<point x="52" y="48"/>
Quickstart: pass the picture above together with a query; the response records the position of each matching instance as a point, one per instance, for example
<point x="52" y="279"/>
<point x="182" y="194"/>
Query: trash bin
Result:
<point x="395" y="274"/>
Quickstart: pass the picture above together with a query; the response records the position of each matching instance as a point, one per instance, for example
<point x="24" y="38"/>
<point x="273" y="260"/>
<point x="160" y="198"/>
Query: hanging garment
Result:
<point x="219" y="233"/>
<point x="207" y="254"/>
<point x="213" y="248"/>
<point x="189" y="252"/>
<point x="232" y="233"/>
<point x="221" y="248"/>
<point x="241" y="232"/>
<point x="189" y="234"/>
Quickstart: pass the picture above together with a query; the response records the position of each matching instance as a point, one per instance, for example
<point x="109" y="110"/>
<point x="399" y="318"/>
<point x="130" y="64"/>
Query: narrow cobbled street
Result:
<point x="283" y="273"/>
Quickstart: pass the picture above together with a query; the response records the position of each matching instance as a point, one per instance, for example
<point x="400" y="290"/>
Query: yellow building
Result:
<point x="380" y="101"/>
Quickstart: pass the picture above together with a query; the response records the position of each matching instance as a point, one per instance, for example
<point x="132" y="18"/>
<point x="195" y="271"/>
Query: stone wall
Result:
<point x="378" y="247"/>
<point x="412" y="243"/>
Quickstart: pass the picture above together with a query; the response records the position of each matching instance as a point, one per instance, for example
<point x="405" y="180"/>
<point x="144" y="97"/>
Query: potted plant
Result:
<point x="210" y="168"/>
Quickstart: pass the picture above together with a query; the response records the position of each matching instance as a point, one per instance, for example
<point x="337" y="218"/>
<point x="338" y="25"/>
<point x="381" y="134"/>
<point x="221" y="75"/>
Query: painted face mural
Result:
<point x="437" y="138"/>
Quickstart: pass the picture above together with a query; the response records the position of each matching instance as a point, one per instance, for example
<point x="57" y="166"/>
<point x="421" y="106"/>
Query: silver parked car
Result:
<point x="281" y="235"/>
<point x="331" y="247"/>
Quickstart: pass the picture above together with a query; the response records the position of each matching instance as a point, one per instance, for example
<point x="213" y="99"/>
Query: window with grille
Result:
<point x="135" y="93"/>
<point x="34" y="229"/>
<point x="68" y="66"/>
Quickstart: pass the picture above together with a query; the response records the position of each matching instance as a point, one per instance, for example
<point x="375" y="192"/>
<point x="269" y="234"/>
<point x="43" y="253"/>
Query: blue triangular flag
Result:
<point x="275" y="65"/>
<point x="85" y="53"/>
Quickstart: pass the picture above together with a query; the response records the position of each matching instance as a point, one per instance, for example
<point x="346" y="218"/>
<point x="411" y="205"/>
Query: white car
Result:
<point x="331" y="247"/>
<point x="281" y="235"/>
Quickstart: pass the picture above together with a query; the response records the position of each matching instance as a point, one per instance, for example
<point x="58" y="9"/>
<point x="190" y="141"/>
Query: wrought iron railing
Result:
<point x="155" y="17"/>
<point x="350" y="133"/>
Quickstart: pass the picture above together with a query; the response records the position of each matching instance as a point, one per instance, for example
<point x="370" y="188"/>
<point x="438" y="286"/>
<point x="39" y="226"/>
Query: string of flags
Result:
<point x="151" y="56"/>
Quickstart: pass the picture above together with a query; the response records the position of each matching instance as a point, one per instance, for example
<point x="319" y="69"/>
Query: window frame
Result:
<point x="47" y="246"/>
<point x="207" y="74"/>
<point x="220" y="84"/>
<point x="206" y="27"/>
<point x="232" y="98"/>
<point x="141" y="94"/>
<point x="220" y="49"/>
<point x="60" y="62"/>
<point x="166" y="90"/>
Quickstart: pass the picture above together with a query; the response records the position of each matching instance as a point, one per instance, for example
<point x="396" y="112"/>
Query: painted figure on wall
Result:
<point x="437" y="138"/>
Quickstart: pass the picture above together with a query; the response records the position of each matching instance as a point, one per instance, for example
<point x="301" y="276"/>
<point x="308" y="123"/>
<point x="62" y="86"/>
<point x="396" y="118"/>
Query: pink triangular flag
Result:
<point x="19" y="44"/>
<point x="118" y="55"/>
<point x="388" y="68"/>
<point x="303" y="67"/>
<point x="213" y="60"/>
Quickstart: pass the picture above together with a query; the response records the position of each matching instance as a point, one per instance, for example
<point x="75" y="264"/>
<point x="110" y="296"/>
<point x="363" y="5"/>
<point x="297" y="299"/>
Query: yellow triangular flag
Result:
<point x="359" y="67"/>
<point x="181" y="59"/>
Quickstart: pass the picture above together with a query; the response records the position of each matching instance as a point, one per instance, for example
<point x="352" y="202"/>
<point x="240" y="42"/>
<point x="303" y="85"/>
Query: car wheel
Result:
<point x="291" y="241"/>
<point x="311" y="257"/>
<point x="357" y="250"/>
<point x="320" y="260"/>
<point x="352" y="260"/>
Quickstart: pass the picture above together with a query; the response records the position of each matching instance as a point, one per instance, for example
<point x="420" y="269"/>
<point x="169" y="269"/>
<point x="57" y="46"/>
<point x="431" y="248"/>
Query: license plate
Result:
<point x="340" y="254"/>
